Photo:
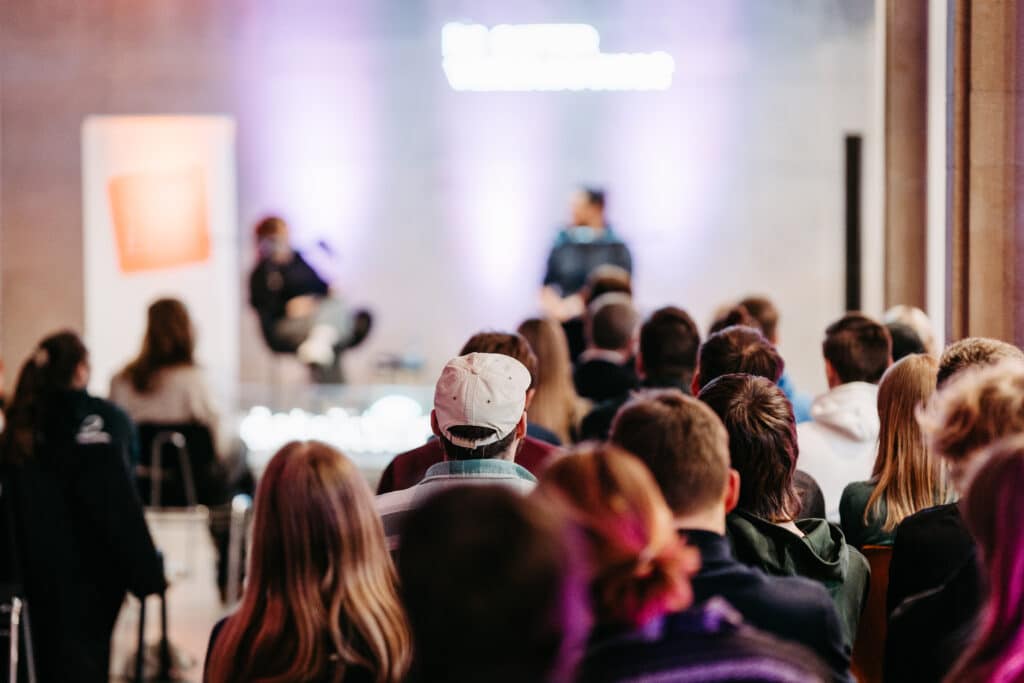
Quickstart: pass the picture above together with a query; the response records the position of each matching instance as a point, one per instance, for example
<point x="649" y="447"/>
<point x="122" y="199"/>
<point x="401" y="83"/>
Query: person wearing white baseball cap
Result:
<point x="480" y="417"/>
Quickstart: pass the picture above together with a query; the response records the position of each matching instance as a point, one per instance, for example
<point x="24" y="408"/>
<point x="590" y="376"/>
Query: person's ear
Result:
<point x="81" y="377"/>
<point x="695" y="384"/>
<point x="434" y="427"/>
<point x="521" y="427"/>
<point x="831" y="375"/>
<point x="530" y="393"/>
<point x="731" y="495"/>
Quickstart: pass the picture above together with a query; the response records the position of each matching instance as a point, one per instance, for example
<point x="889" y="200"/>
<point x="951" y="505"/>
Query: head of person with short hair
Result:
<point x="856" y="349"/>
<point x="905" y="341"/>
<point x="973" y="409"/>
<point x="761" y="309"/>
<point x="669" y="340"/>
<point x="762" y="442"/>
<point x="638" y="567"/>
<point x="733" y="315"/>
<point x="480" y="407"/>
<point x="992" y="509"/>
<point x="917" y="320"/>
<point x="611" y="323"/>
<point x="607" y="279"/>
<point x="492" y="590"/>
<point x="974" y="352"/>
<point x="320" y="601"/>
<point x="272" y="237"/>
<point x="737" y="349"/>
<point x="587" y="208"/>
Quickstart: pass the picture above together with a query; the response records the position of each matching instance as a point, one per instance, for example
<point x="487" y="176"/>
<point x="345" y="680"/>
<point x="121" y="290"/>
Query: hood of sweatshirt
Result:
<point x="850" y="410"/>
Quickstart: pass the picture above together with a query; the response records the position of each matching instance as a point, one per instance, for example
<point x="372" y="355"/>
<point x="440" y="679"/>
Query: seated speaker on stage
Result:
<point x="586" y="244"/>
<point x="298" y="311"/>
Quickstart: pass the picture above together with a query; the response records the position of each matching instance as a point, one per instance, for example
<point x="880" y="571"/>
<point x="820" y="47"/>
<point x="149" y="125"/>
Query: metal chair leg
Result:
<point x="140" y="655"/>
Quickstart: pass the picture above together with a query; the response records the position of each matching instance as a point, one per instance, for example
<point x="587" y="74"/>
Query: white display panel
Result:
<point x="159" y="205"/>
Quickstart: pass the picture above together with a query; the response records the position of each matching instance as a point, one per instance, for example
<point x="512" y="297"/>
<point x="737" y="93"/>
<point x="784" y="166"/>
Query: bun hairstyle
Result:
<point x="638" y="566"/>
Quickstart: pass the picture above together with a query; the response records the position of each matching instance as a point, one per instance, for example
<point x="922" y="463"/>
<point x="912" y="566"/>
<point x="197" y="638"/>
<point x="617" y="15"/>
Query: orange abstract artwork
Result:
<point x="160" y="219"/>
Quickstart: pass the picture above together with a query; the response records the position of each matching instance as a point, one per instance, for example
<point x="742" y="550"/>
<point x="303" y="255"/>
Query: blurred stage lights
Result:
<point x="545" y="57"/>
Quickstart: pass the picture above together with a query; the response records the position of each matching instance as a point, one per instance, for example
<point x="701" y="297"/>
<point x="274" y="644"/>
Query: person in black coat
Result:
<point x="78" y="525"/>
<point x="606" y="369"/>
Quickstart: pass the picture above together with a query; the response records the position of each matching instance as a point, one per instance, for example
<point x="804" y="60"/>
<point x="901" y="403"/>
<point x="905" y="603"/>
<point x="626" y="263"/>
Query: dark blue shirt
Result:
<point x="578" y="251"/>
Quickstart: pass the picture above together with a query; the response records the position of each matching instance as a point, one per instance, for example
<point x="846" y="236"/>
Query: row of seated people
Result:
<point x="736" y="373"/>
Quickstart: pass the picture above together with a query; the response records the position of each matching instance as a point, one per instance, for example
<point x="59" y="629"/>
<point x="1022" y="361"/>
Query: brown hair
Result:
<point x="668" y="344"/>
<point x="268" y="227"/>
<point x="974" y="352"/>
<point x="763" y="310"/>
<point x="762" y="442"/>
<point x="974" y="409"/>
<point x="907" y="477"/>
<point x="858" y="348"/>
<point x="507" y="344"/>
<point x="732" y="315"/>
<point x="681" y="441"/>
<point x="639" y="567"/>
<point x="738" y="349"/>
<point x="611" y="321"/>
<point x="555" y="406"/>
<point x="321" y="595"/>
<point x="605" y="279"/>
<point x="169" y="342"/>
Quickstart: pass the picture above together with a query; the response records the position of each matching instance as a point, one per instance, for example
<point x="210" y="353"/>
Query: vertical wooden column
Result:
<point x="986" y="188"/>
<point x="906" y="151"/>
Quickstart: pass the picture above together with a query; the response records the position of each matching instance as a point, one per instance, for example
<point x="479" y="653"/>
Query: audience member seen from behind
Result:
<point x="639" y="571"/>
<point x="993" y="508"/>
<point x="298" y="312"/>
<point x="605" y="370"/>
<point x="974" y="352"/>
<point x="917" y="320"/>
<point x="838" y="446"/>
<point x="320" y="601"/>
<point x="745" y="350"/>
<point x="555" y="405"/>
<point x="602" y="280"/>
<point x="479" y="417"/>
<point x="763" y="310"/>
<point x="907" y="477"/>
<point x="904" y="341"/>
<point x="535" y="450"/>
<point x="935" y="586"/>
<point x="580" y="248"/>
<point x="77" y="520"/>
<point x="491" y="590"/>
<point x="666" y="358"/>
<point x="164" y="385"/>
<point x="686" y="448"/>
<point x="764" y="528"/>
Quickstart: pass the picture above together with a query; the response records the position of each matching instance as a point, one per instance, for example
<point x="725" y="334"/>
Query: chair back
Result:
<point x="177" y="466"/>
<point x="17" y="660"/>
<point x="869" y="647"/>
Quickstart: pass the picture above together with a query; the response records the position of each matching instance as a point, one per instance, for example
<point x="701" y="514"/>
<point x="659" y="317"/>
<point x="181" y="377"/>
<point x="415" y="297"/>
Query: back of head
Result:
<point x="974" y="352"/>
<point x="738" y="349"/>
<point x="905" y="341"/>
<point x="917" y="320"/>
<point x="858" y="348"/>
<point x="909" y="477"/>
<point x="762" y="442"/>
<point x="608" y="279"/>
<point x="992" y="509"/>
<point x="611" y="321"/>
<point x="764" y="312"/>
<point x="975" y="408"/>
<point x="507" y="344"/>
<point x="169" y="342"/>
<point x="321" y="592"/>
<point x="638" y="566"/>
<point x="489" y="588"/>
<point x="669" y="340"/>
<point x="683" y="444"/>
<point x="37" y="413"/>
<point x="733" y="315"/>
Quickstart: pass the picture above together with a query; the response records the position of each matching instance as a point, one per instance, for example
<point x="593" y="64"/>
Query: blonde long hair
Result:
<point x="321" y="596"/>
<point x="908" y="476"/>
<point x="555" y="406"/>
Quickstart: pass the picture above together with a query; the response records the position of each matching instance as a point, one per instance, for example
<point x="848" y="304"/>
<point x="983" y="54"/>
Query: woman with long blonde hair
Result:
<point x="907" y="477"/>
<point x="555" y="405"/>
<point x="321" y="602"/>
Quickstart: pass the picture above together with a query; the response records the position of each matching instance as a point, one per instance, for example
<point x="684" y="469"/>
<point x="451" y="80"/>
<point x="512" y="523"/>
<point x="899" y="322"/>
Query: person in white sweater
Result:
<point x="163" y="385"/>
<point x="839" y="445"/>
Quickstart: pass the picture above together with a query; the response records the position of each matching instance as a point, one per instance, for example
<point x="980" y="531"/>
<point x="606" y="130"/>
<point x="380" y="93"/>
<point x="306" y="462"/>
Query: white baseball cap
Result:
<point x="481" y="390"/>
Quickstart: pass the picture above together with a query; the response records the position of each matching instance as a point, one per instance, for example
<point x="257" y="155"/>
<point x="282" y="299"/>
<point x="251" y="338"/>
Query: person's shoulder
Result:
<point x="856" y="494"/>
<point x="921" y="521"/>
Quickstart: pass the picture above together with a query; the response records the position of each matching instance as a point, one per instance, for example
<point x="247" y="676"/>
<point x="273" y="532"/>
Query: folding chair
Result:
<point x="15" y="625"/>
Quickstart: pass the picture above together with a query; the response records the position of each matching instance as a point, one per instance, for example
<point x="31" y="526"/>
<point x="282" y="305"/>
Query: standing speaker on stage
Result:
<point x="587" y="243"/>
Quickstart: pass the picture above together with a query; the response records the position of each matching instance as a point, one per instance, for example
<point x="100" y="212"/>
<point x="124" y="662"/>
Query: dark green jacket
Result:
<point x="822" y="554"/>
<point x="851" y="516"/>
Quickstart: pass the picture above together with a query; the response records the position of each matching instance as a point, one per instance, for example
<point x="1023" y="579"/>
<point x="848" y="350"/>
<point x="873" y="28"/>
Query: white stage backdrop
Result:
<point x="160" y="220"/>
